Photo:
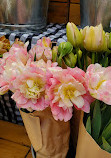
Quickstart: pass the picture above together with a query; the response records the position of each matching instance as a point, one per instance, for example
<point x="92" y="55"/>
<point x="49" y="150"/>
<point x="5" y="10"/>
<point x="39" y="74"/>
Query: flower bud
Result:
<point x="79" y="53"/>
<point x="70" y="60"/>
<point x="54" y="53"/>
<point x="74" y="36"/>
<point x="65" y="48"/>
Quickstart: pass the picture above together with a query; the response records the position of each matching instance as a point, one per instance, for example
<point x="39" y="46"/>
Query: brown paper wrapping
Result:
<point x="87" y="147"/>
<point x="50" y="138"/>
<point x="75" y="126"/>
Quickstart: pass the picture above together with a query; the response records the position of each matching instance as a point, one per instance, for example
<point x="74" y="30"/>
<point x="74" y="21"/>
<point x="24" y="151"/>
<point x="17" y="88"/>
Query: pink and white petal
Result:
<point x="67" y="102"/>
<point x="107" y="73"/>
<point x="19" y="98"/>
<point x="2" y="81"/>
<point x="68" y="115"/>
<point x="55" y="109"/>
<point x="60" y="114"/>
<point x="48" y="53"/>
<point x="78" y="101"/>
<point x="39" y="52"/>
<point x="86" y="107"/>
<point x="56" y="99"/>
<point x="40" y="105"/>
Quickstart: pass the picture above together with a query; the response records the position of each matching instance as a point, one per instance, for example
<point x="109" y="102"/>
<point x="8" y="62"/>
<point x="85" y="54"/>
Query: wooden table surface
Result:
<point x="14" y="142"/>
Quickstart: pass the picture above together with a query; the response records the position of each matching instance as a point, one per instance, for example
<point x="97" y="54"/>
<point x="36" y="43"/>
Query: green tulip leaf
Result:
<point x="106" y="133"/>
<point x="109" y="141"/>
<point x="88" y="125"/>
<point x="106" y="116"/>
<point x="106" y="146"/>
<point x="96" y="120"/>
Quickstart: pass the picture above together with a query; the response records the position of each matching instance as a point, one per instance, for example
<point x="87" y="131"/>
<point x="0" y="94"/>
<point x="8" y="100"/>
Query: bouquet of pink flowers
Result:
<point x="38" y="83"/>
<point x="40" y="87"/>
<point x="48" y="82"/>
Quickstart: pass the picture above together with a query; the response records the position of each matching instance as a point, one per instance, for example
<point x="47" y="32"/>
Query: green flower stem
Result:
<point x="86" y="61"/>
<point x="106" y="60"/>
<point x="96" y="58"/>
<point x="93" y="57"/>
<point x="78" y="58"/>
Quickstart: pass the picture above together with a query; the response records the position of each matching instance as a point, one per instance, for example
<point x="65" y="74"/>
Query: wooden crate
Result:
<point x="62" y="11"/>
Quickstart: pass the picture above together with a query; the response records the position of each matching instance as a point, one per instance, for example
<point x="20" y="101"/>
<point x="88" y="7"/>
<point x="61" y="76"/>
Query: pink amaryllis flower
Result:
<point x="30" y="89"/>
<point x="42" y="50"/>
<point x="65" y="89"/>
<point x="98" y="80"/>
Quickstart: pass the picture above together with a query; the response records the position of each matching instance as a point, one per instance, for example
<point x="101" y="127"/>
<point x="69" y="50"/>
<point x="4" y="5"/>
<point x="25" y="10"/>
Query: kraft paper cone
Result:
<point x="32" y="125"/>
<point x="50" y="138"/>
<point x="75" y="126"/>
<point x="87" y="147"/>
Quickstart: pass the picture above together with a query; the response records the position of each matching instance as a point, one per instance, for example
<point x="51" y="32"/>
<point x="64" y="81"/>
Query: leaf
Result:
<point x="35" y="57"/>
<point x="109" y="141"/>
<point x="88" y="125"/>
<point x="106" y="116"/>
<point x="106" y="146"/>
<point x="106" y="133"/>
<point x="96" y="120"/>
<point x="92" y="109"/>
<point x="104" y="61"/>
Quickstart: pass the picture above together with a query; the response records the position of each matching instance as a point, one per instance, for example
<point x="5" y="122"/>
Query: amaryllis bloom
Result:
<point x="98" y="80"/>
<point x="65" y="89"/>
<point x="42" y="50"/>
<point x="30" y="89"/>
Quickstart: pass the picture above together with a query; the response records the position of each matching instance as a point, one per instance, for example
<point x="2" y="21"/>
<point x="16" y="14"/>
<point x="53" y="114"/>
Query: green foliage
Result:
<point x="88" y="125"/>
<point x="98" y="124"/>
<point x="96" y="120"/>
<point x="106" y="146"/>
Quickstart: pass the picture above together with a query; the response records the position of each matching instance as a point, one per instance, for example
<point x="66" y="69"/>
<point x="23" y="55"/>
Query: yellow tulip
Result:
<point x="74" y="36"/>
<point x="94" y="38"/>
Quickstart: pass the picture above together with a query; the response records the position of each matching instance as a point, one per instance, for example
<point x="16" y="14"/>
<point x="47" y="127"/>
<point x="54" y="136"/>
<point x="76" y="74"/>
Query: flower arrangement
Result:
<point x="54" y="77"/>
<point x="38" y="83"/>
